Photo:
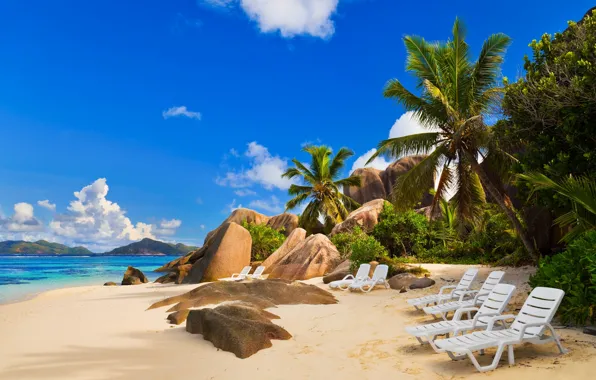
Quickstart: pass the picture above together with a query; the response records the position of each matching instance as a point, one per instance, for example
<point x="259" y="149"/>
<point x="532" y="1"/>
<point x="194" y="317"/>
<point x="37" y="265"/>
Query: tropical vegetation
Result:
<point x="321" y="187"/>
<point x="265" y="240"/>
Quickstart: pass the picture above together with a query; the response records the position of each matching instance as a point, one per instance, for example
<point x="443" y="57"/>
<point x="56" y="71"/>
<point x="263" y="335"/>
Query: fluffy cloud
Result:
<point x="288" y="17"/>
<point x="46" y="204"/>
<point x="271" y="205"/>
<point x="180" y="111"/>
<point x="22" y="220"/>
<point x="378" y="163"/>
<point x="167" y="227"/>
<point x="265" y="170"/>
<point x="407" y="124"/>
<point x="244" y="192"/>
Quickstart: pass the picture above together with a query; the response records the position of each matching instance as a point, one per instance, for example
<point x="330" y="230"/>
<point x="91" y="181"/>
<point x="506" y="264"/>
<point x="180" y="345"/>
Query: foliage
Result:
<point x="265" y="240"/>
<point x="457" y="95"/>
<point x="150" y="246"/>
<point x="40" y="247"/>
<point x="402" y="233"/>
<point x="573" y="271"/>
<point x="343" y="241"/>
<point x="551" y="111"/>
<point x="398" y="265"/>
<point x="321" y="187"/>
<point x="581" y="194"/>
<point x="364" y="250"/>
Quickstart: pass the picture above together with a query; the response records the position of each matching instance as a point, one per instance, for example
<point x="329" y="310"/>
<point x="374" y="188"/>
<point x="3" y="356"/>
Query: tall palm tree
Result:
<point x="456" y="97"/>
<point x="581" y="191"/>
<point x="321" y="187"/>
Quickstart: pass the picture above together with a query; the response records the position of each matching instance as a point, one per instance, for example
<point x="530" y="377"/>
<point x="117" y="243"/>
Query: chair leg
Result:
<point x="510" y="355"/>
<point x="490" y="367"/>
<point x="555" y="337"/>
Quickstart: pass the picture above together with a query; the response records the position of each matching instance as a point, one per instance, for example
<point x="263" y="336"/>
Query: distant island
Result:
<point x="143" y="247"/>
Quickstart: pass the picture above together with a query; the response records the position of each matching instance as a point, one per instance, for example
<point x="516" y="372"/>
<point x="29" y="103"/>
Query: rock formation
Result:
<point x="296" y="237"/>
<point x="404" y="281"/>
<point x="365" y="217"/>
<point x="341" y="271"/>
<point x="238" y="328"/>
<point x="313" y="257"/>
<point x="239" y="216"/>
<point x="133" y="276"/>
<point x="286" y="221"/>
<point x="378" y="184"/>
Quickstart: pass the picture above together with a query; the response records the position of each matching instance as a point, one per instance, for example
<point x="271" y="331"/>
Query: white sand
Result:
<point x="105" y="333"/>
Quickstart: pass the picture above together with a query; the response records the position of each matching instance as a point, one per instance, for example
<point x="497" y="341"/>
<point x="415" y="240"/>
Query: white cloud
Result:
<point x="180" y="111"/>
<point x="22" y="220"/>
<point x="244" y="192"/>
<point x="46" y="204"/>
<point x="234" y="152"/>
<point x="231" y="207"/>
<point x="378" y="163"/>
<point x="167" y="227"/>
<point x="272" y="205"/>
<point x="407" y="124"/>
<point x="265" y="170"/>
<point x="288" y="17"/>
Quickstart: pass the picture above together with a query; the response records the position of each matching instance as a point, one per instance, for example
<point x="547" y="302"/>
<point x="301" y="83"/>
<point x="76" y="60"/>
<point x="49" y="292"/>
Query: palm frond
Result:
<point x="296" y="201"/>
<point x="445" y="181"/>
<point x="488" y="65"/>
<point x="354" y="180"/>
<point x="470" y="196"/>
<point x="338" y="161"/>
<point x="420" y="143"/>
<point x="296" y="190"/>
<point x="422" y="59"/>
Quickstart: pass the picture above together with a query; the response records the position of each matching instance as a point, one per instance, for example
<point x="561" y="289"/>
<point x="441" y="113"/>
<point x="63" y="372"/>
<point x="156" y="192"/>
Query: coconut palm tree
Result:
<point x="321" y="187"/>
<point x="581" y="191"/>
<point x="456" y="96"/>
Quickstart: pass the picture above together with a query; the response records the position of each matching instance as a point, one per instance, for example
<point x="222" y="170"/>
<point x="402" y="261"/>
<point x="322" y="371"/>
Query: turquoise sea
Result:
<point x="23" y="276"/>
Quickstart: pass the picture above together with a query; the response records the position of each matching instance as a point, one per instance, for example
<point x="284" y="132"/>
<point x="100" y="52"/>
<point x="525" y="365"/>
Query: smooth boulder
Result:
<point x="341" y="271"/>
<point x="421" y="283"/>
<point x="286" y="223"/>
<point x="366" y="217"/>
<point x="371" y="186"/>
<point x="296" y="237"/>
<point x="110" y="283"/>
<point x="314" y="257"/>
<point x="239" y="216"/>
<point x="133" y="276"/>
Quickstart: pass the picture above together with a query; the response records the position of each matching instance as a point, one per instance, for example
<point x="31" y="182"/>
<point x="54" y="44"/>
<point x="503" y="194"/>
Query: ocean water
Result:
<point x="23" y="276"/>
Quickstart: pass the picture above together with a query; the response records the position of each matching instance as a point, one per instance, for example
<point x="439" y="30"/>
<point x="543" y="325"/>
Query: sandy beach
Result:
<point x="98" y="332"/>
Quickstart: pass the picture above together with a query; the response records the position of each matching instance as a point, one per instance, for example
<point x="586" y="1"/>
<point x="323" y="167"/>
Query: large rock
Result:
<point x="286" y="221"/>
<point x="241" y="329"/>
<point x="296" y="237"/>
<point x="371" y="186"/>
<point x="341" y="271"/>
<point x="228" y="252"/>
<point x="421" y="283"/>
<point x="314" y="257"/>
<point x="133" y="276"/>
<point x="240" y="216"/>
<point x="365" y="217"/>
<point x="402" y="280"/>
<point x="378" y="184"/>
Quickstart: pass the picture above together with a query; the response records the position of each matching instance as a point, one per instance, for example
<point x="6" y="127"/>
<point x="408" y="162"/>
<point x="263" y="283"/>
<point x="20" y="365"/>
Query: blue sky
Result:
<point x="185" y="109"/>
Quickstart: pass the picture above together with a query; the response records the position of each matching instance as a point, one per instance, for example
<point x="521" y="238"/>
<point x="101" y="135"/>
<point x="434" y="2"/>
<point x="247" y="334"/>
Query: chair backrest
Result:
<point x="245" y="270"/>
<point x="380" y="272"/>
<point x="259" y="271"/>
<point x="362" y="272"/>
<point x="492" y="280"/>
<point x="496" y="301"/>
<point x="540" y="307"/>
<point x="467" y="279"/>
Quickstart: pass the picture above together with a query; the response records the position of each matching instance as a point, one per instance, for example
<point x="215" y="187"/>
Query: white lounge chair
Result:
<point x="464" y="285"/>
<point x="494" y="305"/>
<point x="379" y="278"/>
<point x="528" y="327"/>
<point x="344" y="283"/>
<point x="443" y="308"/>
<point x="238" y="276"/>
<point x="258" y="273"/>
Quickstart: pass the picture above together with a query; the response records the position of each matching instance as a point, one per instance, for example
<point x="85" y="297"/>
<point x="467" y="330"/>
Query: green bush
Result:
<point x="343" y="241"/>
<point x="573" y="271"/>
<point x="403" y="233"/>
<point x="364" y="250"/>
<point x="265" y="240"/>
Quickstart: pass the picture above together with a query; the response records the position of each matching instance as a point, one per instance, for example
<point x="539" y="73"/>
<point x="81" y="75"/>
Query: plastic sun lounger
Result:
<point x="258" y="273"/>
<point x="379" y="278"/>
<point x="494" y="305"/>
<point x="464" y="285"/>
<point x="529" y="326"/>
<point x="344" y="283"/>
<point x="238" y="276"/>
<point x="443" y="308"/>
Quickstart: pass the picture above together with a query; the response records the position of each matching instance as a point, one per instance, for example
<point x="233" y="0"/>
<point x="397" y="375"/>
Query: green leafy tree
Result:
<point x="321" y="187"/>
<point x="551" y="110"/>
<point x="364" y="250"/>
<point x="457" y="95"/>
<point x="343" y="241"/>
<point x="265" y="240"/>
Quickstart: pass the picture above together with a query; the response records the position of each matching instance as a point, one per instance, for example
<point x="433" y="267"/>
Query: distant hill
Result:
<point x="40" y="247"/>
<point x="152" y="247"/>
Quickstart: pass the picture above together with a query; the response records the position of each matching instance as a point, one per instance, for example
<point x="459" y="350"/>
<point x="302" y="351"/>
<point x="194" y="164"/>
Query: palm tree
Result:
<point x="581" y="191"/>
<point x="322" y="188"/>
<point x="456" y="97"/>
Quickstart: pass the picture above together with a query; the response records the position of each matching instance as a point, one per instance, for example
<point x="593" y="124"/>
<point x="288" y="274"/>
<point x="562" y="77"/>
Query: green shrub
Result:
<point x="403" y="233"/>
<point x="265" y="240"/>
<point x="364" y="250"/>
<point x="573" y="271"/>
<point x="343" y="241"/>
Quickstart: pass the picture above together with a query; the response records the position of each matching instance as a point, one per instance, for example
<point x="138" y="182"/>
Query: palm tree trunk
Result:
<point x="498" y="197"/>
